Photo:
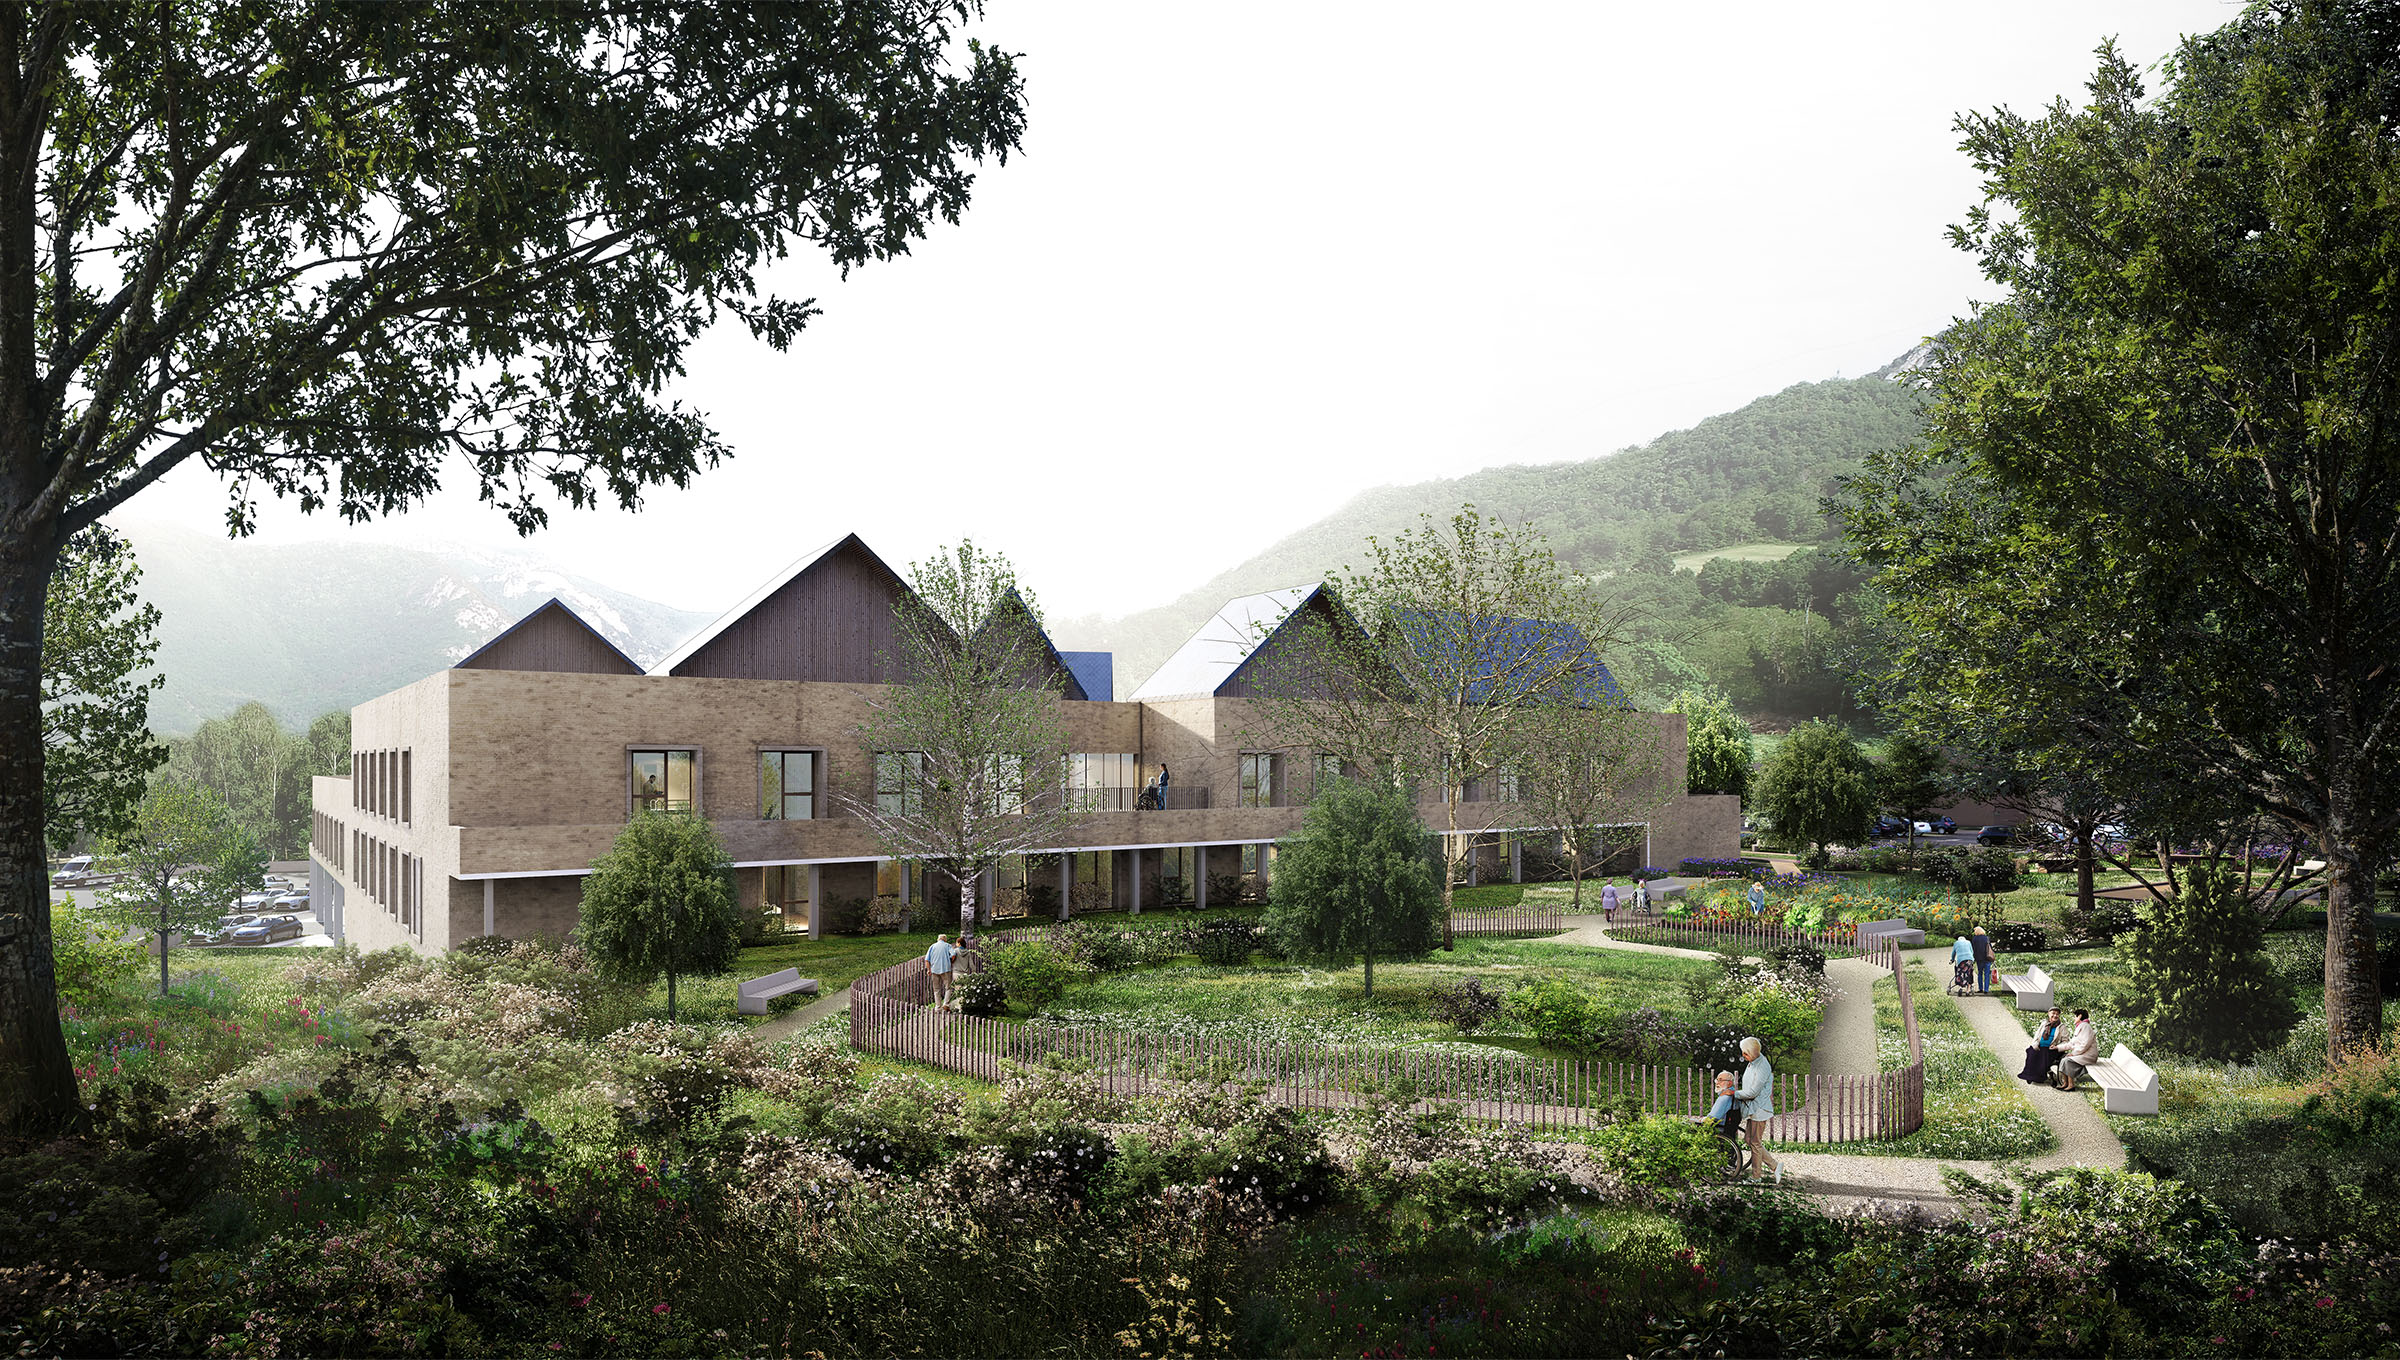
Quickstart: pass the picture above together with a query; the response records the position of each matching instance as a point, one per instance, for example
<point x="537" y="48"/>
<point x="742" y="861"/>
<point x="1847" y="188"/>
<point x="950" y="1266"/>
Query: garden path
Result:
<point x="792" y="1022"/>
<point x="2084" y="1138"/>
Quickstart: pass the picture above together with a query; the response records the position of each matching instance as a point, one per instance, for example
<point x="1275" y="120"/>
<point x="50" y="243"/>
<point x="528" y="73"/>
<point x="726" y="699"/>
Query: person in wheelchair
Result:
<point x="1725" y="1119"/>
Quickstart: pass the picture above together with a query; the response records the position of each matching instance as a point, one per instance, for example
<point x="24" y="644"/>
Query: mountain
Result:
<point x="1745" y="476"/>
<point x="311" y="627"/>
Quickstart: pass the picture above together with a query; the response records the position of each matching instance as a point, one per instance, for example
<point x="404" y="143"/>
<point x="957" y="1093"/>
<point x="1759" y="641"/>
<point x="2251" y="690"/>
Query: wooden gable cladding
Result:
<point x="1013" y="613"/>
<point x="551" y="638"/>
<point x="831" y="622"/>
<point x="1278" y="661"/>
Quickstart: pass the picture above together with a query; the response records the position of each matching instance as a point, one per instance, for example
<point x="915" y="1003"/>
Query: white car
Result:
<point x="1924" y="828"/>
<point x="294" y="900"/>
<point x="257" y="901"/>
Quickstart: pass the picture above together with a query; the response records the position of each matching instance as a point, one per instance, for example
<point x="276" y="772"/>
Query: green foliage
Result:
<point x="263" y="771"/>
<point x="661" y="900"/>
<point x="2200" y="978"/>
<point x="1985" y="869"/>
<point x="980" y="993"/>
<point x="86" y="962"/>
<point x="1907" y="782"/>
<point x="1717" y="751"/>
<point x="1782" y="1022"/>
<point x="178" y="826"/>
<point x="1225" y="942"/>
<point x="1465" y="1006"/>
<point x="1555" y="1011"/>
<point x="1353" y="882"/>
<point x="1817" y="787"/>
<point x="97" y="639"/>
<point x="1660" y="1154"/>
<point x="1032" y="972"/>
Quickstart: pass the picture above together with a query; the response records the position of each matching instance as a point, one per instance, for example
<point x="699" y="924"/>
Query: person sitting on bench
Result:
<point x="2046" y="1050"/>
<point x="2083" y="1049"/>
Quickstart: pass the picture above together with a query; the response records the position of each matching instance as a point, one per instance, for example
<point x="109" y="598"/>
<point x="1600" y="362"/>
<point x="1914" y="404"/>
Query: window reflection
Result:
<point x="787" y="785"/>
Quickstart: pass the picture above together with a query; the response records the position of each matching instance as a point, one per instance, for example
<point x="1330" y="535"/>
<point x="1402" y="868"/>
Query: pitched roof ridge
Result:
<point x="530" y="615"/>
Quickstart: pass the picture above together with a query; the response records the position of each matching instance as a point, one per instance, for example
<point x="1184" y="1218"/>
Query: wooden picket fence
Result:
<point x="890" y="1014"/>
<point x="1547" y="919"/>
<point x="1718" y="933"/>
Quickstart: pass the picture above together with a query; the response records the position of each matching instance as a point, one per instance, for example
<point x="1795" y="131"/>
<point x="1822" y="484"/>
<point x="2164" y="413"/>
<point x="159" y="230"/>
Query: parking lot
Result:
<point x="312" y="935"/>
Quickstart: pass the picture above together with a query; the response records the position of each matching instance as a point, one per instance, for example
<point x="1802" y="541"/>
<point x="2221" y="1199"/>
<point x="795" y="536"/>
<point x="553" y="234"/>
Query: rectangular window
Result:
<point x="900" y="783"/>
<point x="1258" y="780"/>
<point x="1250" y="859"/>
<point x="357" y="788"/>
<point x="666" y="781"/>
<point x="408" y="787"/>
<point x="787" y="785"/>
<point x="1103" y="781"/>
<point x="1502" y="787"/>
<point x="784" y="888"/>
<point x="1328" y="771"/>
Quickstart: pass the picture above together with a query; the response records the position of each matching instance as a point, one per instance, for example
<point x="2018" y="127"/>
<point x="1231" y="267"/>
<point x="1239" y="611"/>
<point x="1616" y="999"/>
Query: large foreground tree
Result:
<point x="330" y="248"/>
<point x="2191" y="390"/>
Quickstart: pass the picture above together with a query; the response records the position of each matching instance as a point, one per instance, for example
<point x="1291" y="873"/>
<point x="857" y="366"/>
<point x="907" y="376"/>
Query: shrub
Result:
<point x="1651" y="871"/>
<point x="1554" y="1011"/>
<point x="2019" y="937"/>
<point x="1227" y="890"/>
<point x="1723" y="868"/>
<point x="1716" y="1045"/>
<point x="1797" y="959"/>
<point x="87" y="963"/>
<point x="1225" y="942"/>
<point x="1467" y="1006"/>
<point x="980" y="993"/>
<point x="1660" y="1154"/>
<point x="1644" y="1034"/>
<point x="2200" y="978"/>
<point x="853" y="915"/>
<point x="1093" y="947"/>
<point x="1781" y="1022"/>
<point x="1031" y="972"/>
<point x="1040" y="898"/>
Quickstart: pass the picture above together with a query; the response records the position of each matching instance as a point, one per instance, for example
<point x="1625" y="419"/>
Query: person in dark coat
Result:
<point x="2049" y="1045"/>
<point x="1982" y="944"/>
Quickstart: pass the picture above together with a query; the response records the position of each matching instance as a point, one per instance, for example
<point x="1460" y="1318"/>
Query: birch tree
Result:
<point x="968" y="752"/>
<point x="1582" y="768"/>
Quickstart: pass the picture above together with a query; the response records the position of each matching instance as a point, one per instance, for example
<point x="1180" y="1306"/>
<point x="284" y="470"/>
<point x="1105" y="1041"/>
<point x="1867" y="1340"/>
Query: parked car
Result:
<point x="258" y="901"/>
<point x="1947" y="826"/>
<point x="267" y="930"/>
<point x="1997" y="835"/>
<point x="226" y="925"/>
<point x="74" y="873"/>
<point x="1924" y="828"/>
<point x="1889" y="826"/>
<point x="294" y="900"/>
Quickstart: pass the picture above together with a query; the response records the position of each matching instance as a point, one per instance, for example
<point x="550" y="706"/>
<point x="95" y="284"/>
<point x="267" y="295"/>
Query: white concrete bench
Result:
<point x="1876" y="934"/>
<point x="2035" y="991"/>
<point x="2127" y="1084"/>
<point x="751" y="997"/>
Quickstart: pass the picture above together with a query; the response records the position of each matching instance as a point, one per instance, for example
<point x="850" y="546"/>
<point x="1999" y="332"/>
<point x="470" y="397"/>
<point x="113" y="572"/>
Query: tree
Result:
<point x="1583" y="768"/>
<point x="970" y="753"/>
<point x="2187" y="392"/>
<point x="97" y="639"/>
<point x="661" y="901"/>
<point x="329" y="248"/>
<point x="1353" y="882"/>
<point x="1818" y="787"/>
<point x="185" y="863"/>
<point x="1717" y="744"/>
<point x="2200" y="977"/>
<point x="263" y="771"/>
<point x="1907" y="780"/>
<point x="1447" y="641"/>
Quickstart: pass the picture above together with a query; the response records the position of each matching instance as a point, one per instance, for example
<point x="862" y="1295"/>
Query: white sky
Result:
<point x="1257" y="257"/>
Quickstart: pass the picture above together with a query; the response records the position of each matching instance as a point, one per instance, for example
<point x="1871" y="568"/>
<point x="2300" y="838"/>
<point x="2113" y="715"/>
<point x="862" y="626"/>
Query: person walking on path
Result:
<point x="1758" y="898"/>
<point x="1962" y="964"/>
<point x="1981" y="949"/>
<point x="1608" y="903"/>
<point x="2046" y="1050"/>
<point x="1757" y="1095"/>
<point x="937" y="959"/>
<point x="1641" y="897"/>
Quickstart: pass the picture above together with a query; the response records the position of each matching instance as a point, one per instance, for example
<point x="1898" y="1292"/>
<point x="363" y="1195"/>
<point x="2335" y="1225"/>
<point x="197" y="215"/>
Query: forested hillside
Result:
<point x="1752" y="474"/>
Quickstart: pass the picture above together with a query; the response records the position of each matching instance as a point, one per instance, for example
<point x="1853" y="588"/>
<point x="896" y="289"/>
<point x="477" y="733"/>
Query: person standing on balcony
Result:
<point x="1162" y="788"/>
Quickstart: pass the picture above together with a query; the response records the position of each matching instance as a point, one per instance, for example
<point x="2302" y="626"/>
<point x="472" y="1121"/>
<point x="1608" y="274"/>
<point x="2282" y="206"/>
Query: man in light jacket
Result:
<point x="1757" y="1095"/>
<point x="2083" y="1049"/>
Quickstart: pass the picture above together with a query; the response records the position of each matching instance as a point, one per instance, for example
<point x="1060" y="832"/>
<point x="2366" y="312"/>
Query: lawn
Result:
<point x="1739" y="552"/>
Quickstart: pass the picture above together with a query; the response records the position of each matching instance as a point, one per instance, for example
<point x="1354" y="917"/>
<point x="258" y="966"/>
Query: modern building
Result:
<point x="480" y="795"/>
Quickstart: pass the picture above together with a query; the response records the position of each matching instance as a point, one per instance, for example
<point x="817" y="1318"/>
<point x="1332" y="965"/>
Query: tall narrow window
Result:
<point x="666" y="781"/>
<point x="1103" y="781"/>
<point x="899" y="783"/>
<point x="1258" y="780"/>
<point x="1328" y="771"/>
<point x="787" y="785"/>
<point x="408" y="786"/>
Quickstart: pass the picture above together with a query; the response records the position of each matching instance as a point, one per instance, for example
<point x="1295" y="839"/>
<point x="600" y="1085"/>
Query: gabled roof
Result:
<point x="1096" y="672"/>
<point x="1512" y="647"/>
<point x="1233" y="636"/>
<point x="553" y="616"/>
<point x="731" y="617"/>
<point x="1015" y="603"/>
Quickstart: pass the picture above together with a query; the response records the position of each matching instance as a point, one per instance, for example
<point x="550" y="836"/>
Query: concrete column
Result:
<point x="1066" y="885"/>
<point x="905" y="884"/>
<point x="1266" y="853"/>
<point x="487" y="906"/>
<point x="816" y="903"/>
<point x="1474" y="862"/>
<point x="1516" y="860"/>
<point x="986" y="894"/>
<point x="1136" y="856"/>
<point x="1200" y="879"/>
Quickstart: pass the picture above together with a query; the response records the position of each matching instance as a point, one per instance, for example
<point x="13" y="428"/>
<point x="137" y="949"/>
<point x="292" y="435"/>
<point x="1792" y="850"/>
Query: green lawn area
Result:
<point x="835" y="962"/>
<point x="1739" y="552"/>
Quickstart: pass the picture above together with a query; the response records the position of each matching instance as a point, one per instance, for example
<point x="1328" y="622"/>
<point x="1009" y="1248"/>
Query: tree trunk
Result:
<point x="966" y="905"/>
<point x="670" y="996"/>
<point x="1450" y="859"/>
<point x="2084" y="893"/>
<point x="1575" y="870"/>
<point x="162" y="939"/>
<point x="2353" y="997"/>
<point x="37" y="1079"/>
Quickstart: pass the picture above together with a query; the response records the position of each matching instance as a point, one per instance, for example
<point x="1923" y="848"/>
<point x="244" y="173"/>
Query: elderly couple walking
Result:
<point x="1755" y="1099"/>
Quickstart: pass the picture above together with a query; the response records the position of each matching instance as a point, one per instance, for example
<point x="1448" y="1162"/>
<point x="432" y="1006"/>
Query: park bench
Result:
<point x="2035" y="991"/>
<point x="2127" y="1084"/>
<point x="751" y="997"/>
<point x="1877" y="934"/>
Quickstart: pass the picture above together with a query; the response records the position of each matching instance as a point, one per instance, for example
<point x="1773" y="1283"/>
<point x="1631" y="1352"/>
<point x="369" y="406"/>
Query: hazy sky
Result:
<point x="1256" y="257"/>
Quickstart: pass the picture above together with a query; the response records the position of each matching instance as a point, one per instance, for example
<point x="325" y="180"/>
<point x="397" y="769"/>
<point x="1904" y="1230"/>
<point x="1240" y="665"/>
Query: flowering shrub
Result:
<point x="980" y="993"/>
<point x="1724" y="868"/>
<point x="1466" y="1006"/>
<point x="1650" y="871"/>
